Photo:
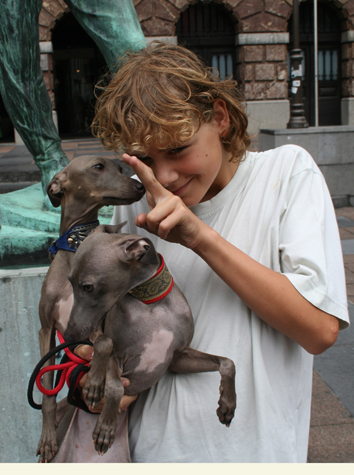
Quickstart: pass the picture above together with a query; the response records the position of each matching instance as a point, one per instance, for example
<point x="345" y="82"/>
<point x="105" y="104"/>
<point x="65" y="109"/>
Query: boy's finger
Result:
<point x="147" y="177"/>
<point x="84" y="351"/>
<point x="126" y="401"/>
<point x="125" y="381"/>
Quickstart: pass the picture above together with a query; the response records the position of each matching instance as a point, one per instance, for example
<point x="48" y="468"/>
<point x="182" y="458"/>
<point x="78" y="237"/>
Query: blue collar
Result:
<point x="72" y="239"/>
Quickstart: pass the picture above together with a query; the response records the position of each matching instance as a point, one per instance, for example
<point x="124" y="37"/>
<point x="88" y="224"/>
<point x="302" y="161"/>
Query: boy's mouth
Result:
<point x="182" y="189"/>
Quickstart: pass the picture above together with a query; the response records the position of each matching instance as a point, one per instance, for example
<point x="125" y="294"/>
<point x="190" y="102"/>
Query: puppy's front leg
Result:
<point x="93" y="391"/>
<point x="105" y="430"/>
<point x="48" y="444"/>
<point x="193" y="361"/>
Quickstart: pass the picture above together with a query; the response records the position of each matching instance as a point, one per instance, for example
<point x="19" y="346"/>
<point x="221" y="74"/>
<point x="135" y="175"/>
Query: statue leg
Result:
<point x="22" y="87"/>
<point x="112" y="24"/>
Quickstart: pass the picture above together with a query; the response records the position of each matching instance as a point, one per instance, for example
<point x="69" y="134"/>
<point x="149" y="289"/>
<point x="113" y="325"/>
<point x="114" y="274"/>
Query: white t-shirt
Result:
<point x="277" y="209"/>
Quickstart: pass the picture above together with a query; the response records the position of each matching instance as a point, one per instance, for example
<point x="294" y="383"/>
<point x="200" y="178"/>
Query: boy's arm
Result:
<point x="269" y="294"/>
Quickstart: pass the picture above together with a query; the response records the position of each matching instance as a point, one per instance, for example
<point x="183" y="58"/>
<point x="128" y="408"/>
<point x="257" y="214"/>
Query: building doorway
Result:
<point x="329" y="61"/>
<point x="209" y="31"/>
<point x="6" y="128"/>
<point x="78" y="65"/>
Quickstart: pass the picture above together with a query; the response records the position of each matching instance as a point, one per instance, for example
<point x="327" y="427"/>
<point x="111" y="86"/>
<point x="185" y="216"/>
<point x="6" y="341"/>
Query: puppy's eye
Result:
<point x="99" y="166"/>
<point x="88" y="287"/>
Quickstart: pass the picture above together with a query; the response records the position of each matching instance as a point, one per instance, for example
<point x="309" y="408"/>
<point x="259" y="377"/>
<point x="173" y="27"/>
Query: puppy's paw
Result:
<point x="93" y="393"/>
<point x="227" y="406"/>
<point x="47" y="447"/>
<point x="103" y="436"/>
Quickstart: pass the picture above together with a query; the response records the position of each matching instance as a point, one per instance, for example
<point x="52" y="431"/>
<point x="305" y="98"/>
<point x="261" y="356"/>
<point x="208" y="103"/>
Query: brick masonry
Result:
<point x="261" y="69"/>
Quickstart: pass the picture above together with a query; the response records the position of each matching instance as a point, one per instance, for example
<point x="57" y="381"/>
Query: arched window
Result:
<point x="329" y="60"/>
<point x="207" y="29"/>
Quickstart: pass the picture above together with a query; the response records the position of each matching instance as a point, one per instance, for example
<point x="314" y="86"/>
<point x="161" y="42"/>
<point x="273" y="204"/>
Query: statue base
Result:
<point x="28" y="229"/>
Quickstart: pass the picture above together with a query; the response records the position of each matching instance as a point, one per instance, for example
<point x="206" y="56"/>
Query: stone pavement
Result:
<point x="332" y="422"/>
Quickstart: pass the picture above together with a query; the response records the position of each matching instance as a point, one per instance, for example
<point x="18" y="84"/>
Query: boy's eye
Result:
<point x="144" y="159"/>
<point x="174" y="151"/>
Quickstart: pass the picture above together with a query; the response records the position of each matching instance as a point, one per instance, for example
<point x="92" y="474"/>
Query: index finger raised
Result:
<point x="146" y="176"/>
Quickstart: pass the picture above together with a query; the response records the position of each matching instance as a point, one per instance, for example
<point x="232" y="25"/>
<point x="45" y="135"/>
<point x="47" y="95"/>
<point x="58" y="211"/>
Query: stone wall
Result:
<point x="261" y="42"/>
<point x="348" y="64"/>
<point x="262" y="71"/>
<point x="52" y="11"/>
<point x="159" y="17"/>
<point x="20" y="292"/>
<point x="332" y="149"/>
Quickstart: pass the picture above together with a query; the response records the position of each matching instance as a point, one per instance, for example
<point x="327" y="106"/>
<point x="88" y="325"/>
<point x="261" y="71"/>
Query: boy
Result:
<point x="250" y="238"/>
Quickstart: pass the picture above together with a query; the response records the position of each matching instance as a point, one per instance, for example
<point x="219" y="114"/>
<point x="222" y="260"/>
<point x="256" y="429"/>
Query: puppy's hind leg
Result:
<point x="193" y="361"/>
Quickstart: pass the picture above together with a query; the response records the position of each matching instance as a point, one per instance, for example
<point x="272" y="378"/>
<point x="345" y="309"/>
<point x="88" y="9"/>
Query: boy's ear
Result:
<point x="221" y="115"/>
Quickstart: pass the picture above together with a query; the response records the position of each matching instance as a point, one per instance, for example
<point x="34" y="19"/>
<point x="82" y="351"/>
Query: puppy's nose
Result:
<point x="139" y="186"/>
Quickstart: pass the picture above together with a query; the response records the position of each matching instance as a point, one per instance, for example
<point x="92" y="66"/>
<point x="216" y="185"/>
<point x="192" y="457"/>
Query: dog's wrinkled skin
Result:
<point x="140" y="341"/>
<point x="83" y="187"/>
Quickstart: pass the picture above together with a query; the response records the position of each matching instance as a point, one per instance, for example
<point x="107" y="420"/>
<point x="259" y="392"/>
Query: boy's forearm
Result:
<point x="269" y="294"/>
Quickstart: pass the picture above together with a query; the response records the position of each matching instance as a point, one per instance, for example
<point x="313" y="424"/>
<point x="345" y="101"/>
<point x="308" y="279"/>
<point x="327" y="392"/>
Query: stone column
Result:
<point x="262" y="70"/>
<point x="347" y="102"/>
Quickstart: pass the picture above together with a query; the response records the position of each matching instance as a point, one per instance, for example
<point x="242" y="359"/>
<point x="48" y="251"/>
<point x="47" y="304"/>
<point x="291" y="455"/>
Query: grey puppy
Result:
<point x="83" y="187"/>
<point x="120" y="283"/>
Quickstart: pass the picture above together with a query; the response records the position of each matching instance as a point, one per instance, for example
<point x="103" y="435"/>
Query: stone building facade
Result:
<point x="261" y="45"/>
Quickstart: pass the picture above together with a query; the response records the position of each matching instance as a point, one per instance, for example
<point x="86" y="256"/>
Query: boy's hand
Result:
<point x="86" y="352"/>
<point x="169" y="217"/>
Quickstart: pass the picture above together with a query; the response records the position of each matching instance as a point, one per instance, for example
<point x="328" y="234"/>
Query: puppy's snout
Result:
<point x="69" y="336"/>
<point x="139" y="186"/>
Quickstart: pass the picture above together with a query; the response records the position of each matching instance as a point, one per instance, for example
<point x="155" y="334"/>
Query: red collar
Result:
<point x="156" y="288"/>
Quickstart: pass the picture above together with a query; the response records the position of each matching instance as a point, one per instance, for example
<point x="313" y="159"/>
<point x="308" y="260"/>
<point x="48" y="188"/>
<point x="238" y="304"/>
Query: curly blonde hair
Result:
<point x="160" y="96"/>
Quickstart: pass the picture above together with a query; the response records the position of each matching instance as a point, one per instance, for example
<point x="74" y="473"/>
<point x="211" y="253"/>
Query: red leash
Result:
<point x="66" y="369"/>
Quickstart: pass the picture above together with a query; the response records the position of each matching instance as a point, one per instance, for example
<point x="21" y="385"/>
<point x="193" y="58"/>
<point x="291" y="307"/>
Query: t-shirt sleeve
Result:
<point x="310" y="249"/>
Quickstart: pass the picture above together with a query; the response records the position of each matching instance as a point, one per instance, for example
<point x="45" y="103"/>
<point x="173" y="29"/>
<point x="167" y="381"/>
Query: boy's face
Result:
<point x="198" y="169"/>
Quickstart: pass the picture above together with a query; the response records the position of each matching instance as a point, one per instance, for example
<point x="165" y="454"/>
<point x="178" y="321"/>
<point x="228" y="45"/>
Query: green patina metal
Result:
<point x="28" y="228"/>
<point x="114" y="26"/>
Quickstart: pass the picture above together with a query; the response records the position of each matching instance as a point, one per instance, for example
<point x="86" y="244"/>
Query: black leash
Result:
<point x="80" y="366"/>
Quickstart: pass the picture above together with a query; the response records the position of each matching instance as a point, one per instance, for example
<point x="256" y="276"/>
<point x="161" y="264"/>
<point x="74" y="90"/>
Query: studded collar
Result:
<point x="71" y="240"/>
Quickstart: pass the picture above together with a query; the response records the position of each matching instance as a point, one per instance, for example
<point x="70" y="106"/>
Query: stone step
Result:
<point x="8" y="187"/>
<point x="20" y="246"/>
<point x="25" y="209"/>
<point x="18" y="172"/>
<point x="19" y="175"/>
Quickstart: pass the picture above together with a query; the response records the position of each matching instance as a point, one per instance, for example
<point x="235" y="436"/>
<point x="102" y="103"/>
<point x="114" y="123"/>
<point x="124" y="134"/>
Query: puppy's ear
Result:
<point x="54" y="189"/>
<point x="141" y="250"/>
<point x="115" y="229"/>
<point x="110" y="229"/>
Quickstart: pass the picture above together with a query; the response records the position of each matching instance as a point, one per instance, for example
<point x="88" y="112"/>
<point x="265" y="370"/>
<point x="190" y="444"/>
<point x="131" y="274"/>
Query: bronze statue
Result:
<point x="112" y="24"/>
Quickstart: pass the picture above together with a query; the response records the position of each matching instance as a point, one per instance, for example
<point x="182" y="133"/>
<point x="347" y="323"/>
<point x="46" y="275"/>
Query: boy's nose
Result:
<point x="165" y="174"/>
